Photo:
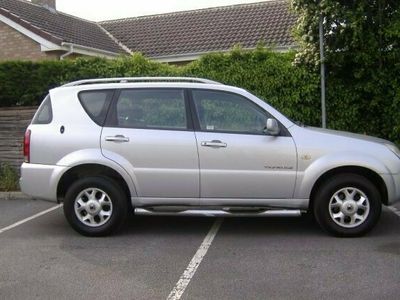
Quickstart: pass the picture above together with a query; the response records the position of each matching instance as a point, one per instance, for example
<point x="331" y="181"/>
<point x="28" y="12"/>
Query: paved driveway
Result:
<point x="247" y="258"/>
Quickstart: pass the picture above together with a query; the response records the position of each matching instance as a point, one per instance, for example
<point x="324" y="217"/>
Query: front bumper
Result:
<point x="40" y="181"/>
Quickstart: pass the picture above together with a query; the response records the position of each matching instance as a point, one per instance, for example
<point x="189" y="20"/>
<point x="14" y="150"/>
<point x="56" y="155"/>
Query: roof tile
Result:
<point x="195" y="31"/>
<point x="57" y="26"/>
<point x="204" y="30"/>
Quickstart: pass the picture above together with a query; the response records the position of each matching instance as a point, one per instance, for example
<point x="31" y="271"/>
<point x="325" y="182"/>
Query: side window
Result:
<point x="151" y="108"/>
<point x="44" y="115"/>
<point x="227" y="112"/>
<point x="96" y="104"/>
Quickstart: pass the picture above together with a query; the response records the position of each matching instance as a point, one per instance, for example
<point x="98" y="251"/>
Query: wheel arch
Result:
<point x="362" y="171"/>
<point x="89" y="169"/>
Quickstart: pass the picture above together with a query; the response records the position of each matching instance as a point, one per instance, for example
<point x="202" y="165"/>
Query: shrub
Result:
<point x="8" y="178"/>
<point x="268" y="74"/>
<point x="291" y="88"/>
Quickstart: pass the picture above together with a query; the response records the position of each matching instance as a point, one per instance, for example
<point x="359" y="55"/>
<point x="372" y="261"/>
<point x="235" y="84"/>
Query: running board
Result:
<point x="218" y="213"/>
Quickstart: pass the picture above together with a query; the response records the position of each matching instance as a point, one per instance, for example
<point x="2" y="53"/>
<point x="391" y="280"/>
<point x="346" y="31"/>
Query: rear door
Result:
<point x="152" y="129"/>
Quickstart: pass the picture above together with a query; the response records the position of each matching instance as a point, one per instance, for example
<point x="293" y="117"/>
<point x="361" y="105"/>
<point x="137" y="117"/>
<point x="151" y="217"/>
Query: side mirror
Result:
<point x="272" y="127"/>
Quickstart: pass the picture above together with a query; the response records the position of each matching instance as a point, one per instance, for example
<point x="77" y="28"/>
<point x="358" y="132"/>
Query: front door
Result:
<point x="151" y="129"/>
<point x="237" y="158"/>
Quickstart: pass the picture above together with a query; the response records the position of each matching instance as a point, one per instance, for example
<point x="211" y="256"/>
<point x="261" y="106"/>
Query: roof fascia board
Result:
<point x="45" y="44"/>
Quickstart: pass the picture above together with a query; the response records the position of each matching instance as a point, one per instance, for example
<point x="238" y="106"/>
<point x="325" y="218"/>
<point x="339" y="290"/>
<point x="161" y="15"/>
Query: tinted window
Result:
<point x="147" y="108"/>
<point x="96" y="104"/>
<point x="227" y="112"/>
<point x="44" y="115"/>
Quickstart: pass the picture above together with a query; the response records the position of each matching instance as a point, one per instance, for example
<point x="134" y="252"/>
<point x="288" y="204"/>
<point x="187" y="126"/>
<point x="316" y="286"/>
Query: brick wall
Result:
<point x="16" y="46"/>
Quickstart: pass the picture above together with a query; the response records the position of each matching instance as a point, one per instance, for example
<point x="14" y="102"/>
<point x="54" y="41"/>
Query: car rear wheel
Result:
<point x="347" y="205"/>
<point x="95" y="206"/>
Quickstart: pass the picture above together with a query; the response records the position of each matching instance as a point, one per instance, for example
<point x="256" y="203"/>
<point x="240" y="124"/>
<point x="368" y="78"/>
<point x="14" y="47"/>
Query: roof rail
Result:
<point x="141" y="79"/>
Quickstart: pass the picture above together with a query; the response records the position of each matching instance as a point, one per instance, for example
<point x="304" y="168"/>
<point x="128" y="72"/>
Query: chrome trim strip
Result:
<point x="301" y="204"/>
<point x="218" y="213"/>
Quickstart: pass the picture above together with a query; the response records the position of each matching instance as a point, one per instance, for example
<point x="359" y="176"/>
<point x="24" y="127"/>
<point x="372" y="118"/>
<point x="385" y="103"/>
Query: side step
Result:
<point x="218" y="213"/>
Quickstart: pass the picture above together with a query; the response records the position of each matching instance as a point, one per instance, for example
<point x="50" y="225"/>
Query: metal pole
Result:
<point x="321" y="52"/>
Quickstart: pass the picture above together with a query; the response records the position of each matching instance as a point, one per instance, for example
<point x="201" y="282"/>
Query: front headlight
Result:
<point x="394" y="149"/>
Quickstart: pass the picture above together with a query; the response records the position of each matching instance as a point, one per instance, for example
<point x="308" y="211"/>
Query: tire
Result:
<point x="95" y="206"/>
<point x="340" y="209"/>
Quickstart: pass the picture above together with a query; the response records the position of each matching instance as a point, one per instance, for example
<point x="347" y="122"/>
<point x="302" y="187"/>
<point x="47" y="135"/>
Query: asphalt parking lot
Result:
<point x="276" y="258"/>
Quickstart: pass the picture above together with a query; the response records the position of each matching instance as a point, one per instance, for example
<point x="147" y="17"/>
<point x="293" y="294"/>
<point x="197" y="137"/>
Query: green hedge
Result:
<point x="269" y="75"/>
<point x="294" y="90"/>
<point x="26" y="83"/>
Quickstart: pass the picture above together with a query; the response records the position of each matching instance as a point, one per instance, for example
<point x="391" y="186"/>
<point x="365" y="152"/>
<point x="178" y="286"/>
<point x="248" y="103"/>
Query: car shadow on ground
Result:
<point x="275" y="226"/>
<point x="141" y="225"/>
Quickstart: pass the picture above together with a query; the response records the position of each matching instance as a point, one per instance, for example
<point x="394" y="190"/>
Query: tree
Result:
<point x="362" y="48"/>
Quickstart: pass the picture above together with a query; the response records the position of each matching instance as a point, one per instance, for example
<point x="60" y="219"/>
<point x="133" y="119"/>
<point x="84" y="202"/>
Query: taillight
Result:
<point x="27" y="146"/>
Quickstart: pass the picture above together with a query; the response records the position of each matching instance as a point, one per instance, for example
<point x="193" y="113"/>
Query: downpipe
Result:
<point x="71" y="51"/>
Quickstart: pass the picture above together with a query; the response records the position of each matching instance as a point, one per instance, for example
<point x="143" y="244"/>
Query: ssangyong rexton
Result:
<point x="189" y="146"/>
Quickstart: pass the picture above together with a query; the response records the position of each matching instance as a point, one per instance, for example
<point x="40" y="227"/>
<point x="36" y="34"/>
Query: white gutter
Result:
<point x="86" y="50"/>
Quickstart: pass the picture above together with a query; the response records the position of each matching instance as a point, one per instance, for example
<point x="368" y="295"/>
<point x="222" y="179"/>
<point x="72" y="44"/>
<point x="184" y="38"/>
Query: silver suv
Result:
<point x="189" y="146"/>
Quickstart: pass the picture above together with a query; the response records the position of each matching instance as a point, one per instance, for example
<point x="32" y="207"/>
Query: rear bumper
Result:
<point x="392" y="182"/>
<point x="40" y="181"/>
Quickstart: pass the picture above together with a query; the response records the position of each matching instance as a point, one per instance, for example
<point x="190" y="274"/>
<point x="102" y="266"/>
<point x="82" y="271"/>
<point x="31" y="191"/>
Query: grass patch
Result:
<point x="8" y="178"/>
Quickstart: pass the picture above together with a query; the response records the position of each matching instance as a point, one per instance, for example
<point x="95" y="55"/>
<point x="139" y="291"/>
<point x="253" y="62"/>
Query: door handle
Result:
<point x="214" y="144"/>
<point x="117" y="139"/>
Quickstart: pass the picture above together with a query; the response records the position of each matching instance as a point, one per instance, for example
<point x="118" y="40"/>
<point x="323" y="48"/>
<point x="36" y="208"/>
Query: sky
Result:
<point x="98" y="10"/>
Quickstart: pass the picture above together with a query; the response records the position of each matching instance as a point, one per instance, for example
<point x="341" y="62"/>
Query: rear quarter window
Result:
<point x="44" y="115"/>
<point x="96" y="104"/>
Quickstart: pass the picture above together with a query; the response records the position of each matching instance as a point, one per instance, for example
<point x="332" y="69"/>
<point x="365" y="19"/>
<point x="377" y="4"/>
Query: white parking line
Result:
<point x="29" y="218"/>
<point x="187" y="275"/>
<point x="395" y="210"/>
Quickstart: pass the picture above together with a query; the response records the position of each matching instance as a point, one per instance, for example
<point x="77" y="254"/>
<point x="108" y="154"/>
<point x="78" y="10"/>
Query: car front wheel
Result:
<point x="347" y="205"/>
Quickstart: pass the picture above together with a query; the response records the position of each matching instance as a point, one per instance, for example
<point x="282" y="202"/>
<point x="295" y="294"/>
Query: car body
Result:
<point x="194" y="146"/>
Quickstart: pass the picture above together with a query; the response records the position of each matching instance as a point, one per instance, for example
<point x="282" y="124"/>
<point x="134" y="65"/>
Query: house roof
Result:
<point x="58" y="27"/>
<point x="205" y="30"/>
<point x="179" y="34"/>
